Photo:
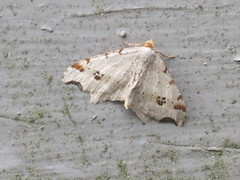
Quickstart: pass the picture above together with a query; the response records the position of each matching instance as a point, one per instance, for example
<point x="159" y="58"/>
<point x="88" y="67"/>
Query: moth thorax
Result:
<point x="149" y="44"/>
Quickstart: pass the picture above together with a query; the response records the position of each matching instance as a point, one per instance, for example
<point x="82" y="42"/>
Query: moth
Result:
<point x="136" y="76"/>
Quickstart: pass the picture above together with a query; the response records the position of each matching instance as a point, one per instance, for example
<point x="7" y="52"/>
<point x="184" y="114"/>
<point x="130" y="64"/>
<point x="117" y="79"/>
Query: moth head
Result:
<point x="149" y="44"/>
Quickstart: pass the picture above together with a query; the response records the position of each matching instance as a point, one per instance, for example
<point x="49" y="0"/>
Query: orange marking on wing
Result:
<point x="78" y="67"/>
<point x="179" y="97"/>
<point x="87" y="60"/>
<point x="180" y="107"/>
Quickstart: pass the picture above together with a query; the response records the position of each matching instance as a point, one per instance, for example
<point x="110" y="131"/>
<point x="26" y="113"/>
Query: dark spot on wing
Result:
<point x="98" y="76"/>
<point x="106" y="55"/>
<point x="165" y="70"/>
<point x="161" y="100"/>
<point x="171" y="82"/>
<point x="119" y="52"/>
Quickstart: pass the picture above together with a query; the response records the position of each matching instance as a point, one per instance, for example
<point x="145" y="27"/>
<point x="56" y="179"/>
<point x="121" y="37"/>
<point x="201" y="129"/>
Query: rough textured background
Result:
<point x="49" y="130"/>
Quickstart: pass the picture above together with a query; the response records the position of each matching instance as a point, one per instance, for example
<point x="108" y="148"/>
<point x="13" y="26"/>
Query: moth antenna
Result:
<point x="149" y="44"/>
<point x="167" y="56"/>
<point x="129" y="44"/>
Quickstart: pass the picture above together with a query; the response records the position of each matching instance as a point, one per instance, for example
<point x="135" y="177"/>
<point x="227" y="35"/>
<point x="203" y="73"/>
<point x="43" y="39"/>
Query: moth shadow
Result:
<point x="130" y="113"/>
<point x="167" y="121"/>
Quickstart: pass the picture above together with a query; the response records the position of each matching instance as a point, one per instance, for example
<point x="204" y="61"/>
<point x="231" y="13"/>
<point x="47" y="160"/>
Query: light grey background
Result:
<point x="49" y="130"/>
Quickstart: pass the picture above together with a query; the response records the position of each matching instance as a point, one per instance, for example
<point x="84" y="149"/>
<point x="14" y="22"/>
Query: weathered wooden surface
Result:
<point x="50" y="130"/>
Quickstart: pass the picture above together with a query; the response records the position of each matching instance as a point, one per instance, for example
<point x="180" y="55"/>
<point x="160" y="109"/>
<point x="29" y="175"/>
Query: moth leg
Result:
<point x="109" y="49"/>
